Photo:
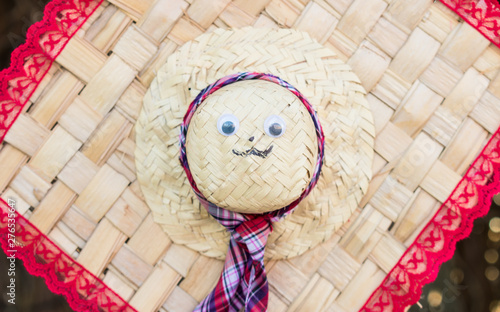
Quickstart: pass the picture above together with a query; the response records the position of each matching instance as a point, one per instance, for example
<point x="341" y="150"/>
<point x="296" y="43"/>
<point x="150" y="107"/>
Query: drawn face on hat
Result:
<point x="252" y="147"/>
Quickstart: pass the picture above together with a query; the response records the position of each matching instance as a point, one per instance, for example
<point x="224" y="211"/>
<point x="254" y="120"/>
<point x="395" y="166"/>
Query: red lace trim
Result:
<point x="470" y="200"/>
<point x="484" y="15"/>
<point x="420" y="263"/>
<point x="63" y="275"/>
<point x="30" y="62"/>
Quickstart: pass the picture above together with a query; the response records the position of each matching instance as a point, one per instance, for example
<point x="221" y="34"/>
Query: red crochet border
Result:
<point x="436" y="243"/>
<point x="85" y="292"/>
<point x="63" y="275"/>
<point x="470" y="200"/>
<point x="30" y="62"/>
<point x="483" y="15"/>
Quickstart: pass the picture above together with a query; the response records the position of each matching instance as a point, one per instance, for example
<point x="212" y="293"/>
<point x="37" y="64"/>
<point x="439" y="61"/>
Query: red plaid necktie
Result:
<point x="243" y="281"/>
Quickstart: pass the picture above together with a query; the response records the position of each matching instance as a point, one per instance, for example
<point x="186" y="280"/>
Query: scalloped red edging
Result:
<point x="418" y="266"/>
<point x="436" y="243"/>
<point x="483" y="15"/>
<point x="31" y="61"/>
<point x="471" y="198"/>
<point x="63" y="275"/>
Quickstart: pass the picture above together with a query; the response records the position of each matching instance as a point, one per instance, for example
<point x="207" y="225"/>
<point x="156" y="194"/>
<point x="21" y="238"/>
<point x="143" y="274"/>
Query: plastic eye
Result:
<point x="274" y="126"/>
<point x="228" y="124"/>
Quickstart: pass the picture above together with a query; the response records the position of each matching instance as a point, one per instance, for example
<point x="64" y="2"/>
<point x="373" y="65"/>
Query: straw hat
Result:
<point x="254" y="184"/>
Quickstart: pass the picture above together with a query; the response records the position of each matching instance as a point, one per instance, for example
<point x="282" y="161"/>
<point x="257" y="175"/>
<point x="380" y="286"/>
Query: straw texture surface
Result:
<point x="224" y="168"/>
<point x="433" y="87"/>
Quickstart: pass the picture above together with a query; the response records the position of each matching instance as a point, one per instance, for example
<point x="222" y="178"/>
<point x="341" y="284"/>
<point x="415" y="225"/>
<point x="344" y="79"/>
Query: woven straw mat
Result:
<point x="432" y="84"/>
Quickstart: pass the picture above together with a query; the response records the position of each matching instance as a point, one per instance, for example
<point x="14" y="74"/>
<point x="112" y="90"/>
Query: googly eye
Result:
<point x="274" y="126"/>
<point x="228" y="124"/>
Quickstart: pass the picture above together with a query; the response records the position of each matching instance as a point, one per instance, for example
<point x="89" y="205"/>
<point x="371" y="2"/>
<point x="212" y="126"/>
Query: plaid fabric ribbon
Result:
<point x="243" y="281"/>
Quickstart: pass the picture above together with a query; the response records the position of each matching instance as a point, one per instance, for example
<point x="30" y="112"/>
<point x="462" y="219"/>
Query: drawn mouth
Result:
<point x="254" y="151"/>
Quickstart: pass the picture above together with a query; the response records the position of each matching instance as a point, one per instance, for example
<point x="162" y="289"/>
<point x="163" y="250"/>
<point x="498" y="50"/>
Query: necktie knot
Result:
<point x="253" y="234"/>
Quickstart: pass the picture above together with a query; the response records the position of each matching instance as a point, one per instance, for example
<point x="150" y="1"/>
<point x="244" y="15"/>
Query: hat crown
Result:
<point x="239" y="164"/>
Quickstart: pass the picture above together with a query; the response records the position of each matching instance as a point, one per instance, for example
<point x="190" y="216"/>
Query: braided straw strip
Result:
<point x="329" y="85"/>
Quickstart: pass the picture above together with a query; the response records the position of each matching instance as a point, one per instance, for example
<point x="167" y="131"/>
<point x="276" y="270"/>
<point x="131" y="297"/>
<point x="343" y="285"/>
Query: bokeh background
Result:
<point x="469" y="282"/>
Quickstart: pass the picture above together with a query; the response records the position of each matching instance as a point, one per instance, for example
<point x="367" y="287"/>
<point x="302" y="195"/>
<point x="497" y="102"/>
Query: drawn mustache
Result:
<point x="254" y="151"/>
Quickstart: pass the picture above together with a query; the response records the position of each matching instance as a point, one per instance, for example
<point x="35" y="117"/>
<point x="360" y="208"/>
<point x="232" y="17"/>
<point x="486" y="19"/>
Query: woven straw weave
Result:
<point x="252" y="183"/>
<point x="433" y="87"/>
